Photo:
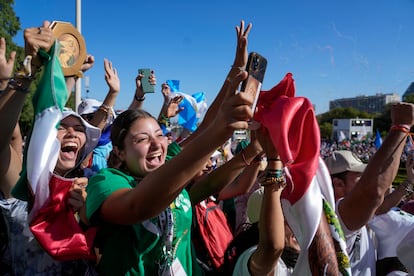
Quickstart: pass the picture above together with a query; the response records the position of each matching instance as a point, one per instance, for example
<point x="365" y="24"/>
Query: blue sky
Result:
<point x="334" y="49"/>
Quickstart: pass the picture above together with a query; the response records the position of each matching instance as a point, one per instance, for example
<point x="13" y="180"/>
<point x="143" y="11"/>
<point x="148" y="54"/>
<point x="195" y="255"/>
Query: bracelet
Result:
<point x="274" y="176"/>
<point x="244" y="158"/>
<point x="18" y="85"/>
<point x="401" y="127"/>
<point x="163" y="120"/>
<point x="139" y="99"/>
<point x="107" y="110"/>
<point x="274" y="159"/>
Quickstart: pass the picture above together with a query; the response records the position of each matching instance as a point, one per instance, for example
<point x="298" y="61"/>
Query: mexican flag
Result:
<point x="42" y="148"/>
<point x="307" y="201"/>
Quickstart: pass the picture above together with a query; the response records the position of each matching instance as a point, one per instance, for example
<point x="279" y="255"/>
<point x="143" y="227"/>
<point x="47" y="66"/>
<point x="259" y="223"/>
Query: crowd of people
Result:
<point x="93" y="192"/>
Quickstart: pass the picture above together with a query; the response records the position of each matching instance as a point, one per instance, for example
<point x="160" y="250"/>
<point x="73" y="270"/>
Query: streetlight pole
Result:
<point x="78" y="86"/>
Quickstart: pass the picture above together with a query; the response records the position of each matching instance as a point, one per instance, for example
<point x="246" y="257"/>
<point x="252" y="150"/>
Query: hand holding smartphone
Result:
<point x="146" y="85"/>
<point x="256" y="67"/>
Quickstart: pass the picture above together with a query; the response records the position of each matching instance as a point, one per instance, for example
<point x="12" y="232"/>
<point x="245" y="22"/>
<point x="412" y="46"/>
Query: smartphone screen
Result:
<point x="146" y="85"/>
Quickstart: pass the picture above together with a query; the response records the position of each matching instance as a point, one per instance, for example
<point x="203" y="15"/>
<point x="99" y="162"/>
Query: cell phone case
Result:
<point x="256" y="67"/>
<point x="146" y="85"/>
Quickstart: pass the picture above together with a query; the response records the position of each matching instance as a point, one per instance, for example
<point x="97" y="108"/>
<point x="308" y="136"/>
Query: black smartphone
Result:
<point x="146" y="85"/>
<point x="256" y="67"/>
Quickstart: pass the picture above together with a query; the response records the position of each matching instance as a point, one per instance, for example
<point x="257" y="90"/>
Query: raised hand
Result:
<point x="111" y="77"/>
<point x="88" y="63"/>
<point x="173" y="106"/>
<point x="6" y="64"/>
<point x="235" y="110"/>
<point x="38" y="38"/>
<point x="240" y="59"/>
<point x="166" y="92"/>
<point x="402" y="113"/>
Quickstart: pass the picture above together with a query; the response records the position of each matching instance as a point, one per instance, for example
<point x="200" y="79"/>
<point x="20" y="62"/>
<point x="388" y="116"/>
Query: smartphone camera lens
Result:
<point x="255" y="63"/>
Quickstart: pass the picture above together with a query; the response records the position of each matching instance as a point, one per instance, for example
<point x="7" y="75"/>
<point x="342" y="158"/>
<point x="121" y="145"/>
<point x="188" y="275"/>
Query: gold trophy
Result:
<point x="72" y="49"/>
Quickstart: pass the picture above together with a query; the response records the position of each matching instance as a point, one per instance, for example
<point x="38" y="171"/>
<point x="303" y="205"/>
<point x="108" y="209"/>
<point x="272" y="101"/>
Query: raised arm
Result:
<point x="99" y="118"/>
<point x="128" y="206"/>
<point x="13" y="97"/>
<point x="271" y="221"/>
<point x="239" y="65"/>
<point x="357" y="208"/>
<point x="88" y="63"/>
<point x="401" y="191"/>
<point x="139" y="96"/>
<point x="222" y="181"/>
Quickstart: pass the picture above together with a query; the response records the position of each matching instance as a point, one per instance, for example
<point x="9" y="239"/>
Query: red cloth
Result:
<point x="56" y="228"/>
<point x="295" y="133"/>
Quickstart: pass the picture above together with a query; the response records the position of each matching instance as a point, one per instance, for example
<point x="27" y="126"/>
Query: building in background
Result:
<point x="348" y="129"/>
<point x="369" y="104"/>
<point x="409" y="91"/>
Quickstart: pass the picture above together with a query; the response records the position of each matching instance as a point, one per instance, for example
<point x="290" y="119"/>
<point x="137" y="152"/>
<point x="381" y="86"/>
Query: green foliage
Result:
<point x="326" y="130"/>
<point x="409" y="98"/>
<point x="382" y="121"/>
<point x="71" y="101"/>
<point x="342" y="113"/>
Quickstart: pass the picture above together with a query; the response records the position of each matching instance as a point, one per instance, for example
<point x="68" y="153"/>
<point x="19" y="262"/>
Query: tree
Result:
<point x="326" y="130"/>
<point x="342" y="113"/>
<point x="325" y="119"/>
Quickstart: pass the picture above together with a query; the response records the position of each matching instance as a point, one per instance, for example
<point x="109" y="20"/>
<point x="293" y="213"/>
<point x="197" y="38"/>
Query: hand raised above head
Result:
<point x="6" y="64"/>
<point x="235" y="110"/>
<point x="173" y="106"/>
<point x="240" y="59"/>
<point x="88" y="63"/>
<point x="166" y="91"/>
<point x="37" y="38"/>
<point x="402" y="114"/>
<point x="111" y="77"/>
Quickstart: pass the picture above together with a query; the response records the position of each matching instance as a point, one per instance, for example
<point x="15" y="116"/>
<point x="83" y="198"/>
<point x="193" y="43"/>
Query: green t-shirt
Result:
<point x="136" y="249"/>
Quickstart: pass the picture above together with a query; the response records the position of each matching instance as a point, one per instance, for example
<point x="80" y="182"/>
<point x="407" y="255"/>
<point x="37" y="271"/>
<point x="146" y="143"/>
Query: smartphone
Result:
<point x="256" y="67"/>
<point x="146" y="85"/>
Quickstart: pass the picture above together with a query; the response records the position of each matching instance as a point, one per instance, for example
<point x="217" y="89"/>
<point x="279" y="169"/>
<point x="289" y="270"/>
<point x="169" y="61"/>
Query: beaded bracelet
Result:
<point x="163" y="120"/>
<point x="139" y="99"/>
<point x="273" y="181"/>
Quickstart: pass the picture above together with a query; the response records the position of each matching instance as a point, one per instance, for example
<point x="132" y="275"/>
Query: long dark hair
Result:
<point x="247" y="238"/>
<point x="119" y="130"/>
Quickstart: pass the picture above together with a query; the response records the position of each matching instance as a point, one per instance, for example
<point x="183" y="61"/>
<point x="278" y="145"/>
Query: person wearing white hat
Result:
<point x="74" y="139"/>
<point x="359" y="189"/>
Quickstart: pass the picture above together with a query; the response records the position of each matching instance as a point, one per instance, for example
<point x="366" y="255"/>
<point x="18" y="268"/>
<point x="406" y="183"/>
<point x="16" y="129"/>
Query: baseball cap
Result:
<point x="344" y="160"/>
